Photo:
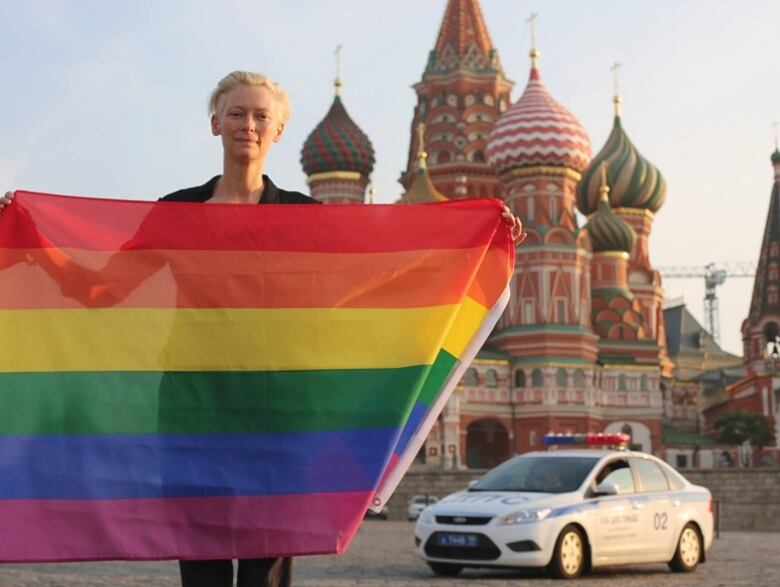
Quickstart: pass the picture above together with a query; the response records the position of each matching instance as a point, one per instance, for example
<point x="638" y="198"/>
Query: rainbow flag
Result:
<point x="214" y="381"/>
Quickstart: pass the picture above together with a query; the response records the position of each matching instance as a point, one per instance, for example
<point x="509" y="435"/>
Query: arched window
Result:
<point x="491" y="378"/>
<point x="519" y="378"/>
<point x="479" y="157"/>
<point x="536" y="378"/>
<point x="470" y="378"/>
<point x="579" y="378"/>
<point x="560" y="377"/>
<point x="622" y="382"/>
<point x="443" y="157"/>
<point x="644" y="382"/>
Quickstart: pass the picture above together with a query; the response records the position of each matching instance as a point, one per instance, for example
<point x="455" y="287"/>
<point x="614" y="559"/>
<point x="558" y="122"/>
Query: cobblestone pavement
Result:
<point x="382" y="555"/>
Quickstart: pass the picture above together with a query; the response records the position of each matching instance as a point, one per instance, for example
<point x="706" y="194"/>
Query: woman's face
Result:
<point x="248" y="122"/>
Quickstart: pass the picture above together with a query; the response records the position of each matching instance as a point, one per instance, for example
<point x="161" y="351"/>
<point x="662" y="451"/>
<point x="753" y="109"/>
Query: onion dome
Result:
<point x="636" y="183"/>
<point x="537" y="130"/>
<point x="422" y="188"/>
<point x="337" y="144"/>
<point x="609" y="232"/>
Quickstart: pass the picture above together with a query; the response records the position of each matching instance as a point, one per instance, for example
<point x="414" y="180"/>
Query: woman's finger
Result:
<point x="6" y="199"/>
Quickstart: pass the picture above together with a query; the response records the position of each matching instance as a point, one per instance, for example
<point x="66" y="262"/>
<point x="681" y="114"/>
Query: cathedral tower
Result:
<point x="638" y="191"/>
<point x="761" y="329"/>
<point x="462" y="92"/>
<point x="538" y="149"/>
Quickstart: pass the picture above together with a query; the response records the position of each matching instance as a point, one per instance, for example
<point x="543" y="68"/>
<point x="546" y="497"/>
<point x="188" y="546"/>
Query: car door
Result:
<point x="653" y="496"/>
<point x="615" y="519"/>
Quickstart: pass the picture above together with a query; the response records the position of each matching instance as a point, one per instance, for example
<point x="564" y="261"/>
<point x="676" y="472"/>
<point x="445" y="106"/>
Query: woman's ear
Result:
<point x="215" y="125"/>
<point x="279" y="131"/>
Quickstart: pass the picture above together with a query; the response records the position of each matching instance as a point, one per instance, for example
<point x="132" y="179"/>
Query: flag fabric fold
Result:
<point x="189" y="381"/>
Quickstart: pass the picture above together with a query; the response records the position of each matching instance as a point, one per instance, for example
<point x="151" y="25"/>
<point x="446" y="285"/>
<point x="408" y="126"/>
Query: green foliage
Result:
<point x="736" y="427"/>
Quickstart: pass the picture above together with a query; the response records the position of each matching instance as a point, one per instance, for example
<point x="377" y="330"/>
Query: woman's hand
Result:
<point x="514" y="223"/>
<point x="6" y="199"/>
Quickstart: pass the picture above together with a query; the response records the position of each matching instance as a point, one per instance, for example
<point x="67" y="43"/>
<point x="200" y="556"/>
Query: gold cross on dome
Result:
<point x="532" y="21"/>
<point x="337" y="83"/>
<point x="616" y="98"/>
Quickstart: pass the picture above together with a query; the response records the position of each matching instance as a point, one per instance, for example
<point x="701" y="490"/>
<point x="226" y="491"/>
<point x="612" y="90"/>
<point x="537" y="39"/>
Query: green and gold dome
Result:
<point x="636" y="183"/>
<point x="609" y="232"/>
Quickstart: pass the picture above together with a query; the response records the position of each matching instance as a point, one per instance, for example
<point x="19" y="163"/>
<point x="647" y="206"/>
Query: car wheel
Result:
<point x="445" y="569"/>
<point x="568" y="560"/>
<point x="688" y="553"/>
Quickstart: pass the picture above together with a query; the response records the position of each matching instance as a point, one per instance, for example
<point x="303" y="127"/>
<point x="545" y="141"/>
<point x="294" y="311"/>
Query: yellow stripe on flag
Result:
<point x="217" y="339"/>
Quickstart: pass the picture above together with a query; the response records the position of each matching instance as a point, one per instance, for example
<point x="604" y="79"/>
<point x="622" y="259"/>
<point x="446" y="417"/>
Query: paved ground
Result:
<point x="382" y="555"/>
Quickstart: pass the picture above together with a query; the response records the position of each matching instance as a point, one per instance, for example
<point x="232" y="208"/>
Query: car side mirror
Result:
<point x="606" y="488"/>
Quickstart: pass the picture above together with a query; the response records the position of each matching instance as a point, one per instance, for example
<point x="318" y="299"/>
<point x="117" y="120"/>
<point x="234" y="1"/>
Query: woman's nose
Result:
<point x="249" y="123"/>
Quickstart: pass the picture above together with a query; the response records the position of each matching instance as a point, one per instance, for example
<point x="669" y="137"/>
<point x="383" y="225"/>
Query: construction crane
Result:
<point x="714" y="274"/>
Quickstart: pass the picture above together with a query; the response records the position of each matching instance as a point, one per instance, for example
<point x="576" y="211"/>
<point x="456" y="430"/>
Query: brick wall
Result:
<point x="749" y="498"/>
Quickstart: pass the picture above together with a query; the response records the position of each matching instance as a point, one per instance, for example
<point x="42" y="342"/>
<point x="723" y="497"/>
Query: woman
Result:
<point x="249" y="113"/>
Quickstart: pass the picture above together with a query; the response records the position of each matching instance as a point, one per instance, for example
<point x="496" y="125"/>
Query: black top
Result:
<point x="271" y="194"/>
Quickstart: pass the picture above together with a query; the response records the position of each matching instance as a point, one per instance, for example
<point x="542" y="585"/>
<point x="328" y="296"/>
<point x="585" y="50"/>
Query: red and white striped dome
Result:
<point x="537" y="130"/>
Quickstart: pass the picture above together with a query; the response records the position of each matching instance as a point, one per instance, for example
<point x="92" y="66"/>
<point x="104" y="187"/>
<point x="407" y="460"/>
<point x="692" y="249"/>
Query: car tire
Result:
<point x="445" y="569"/>
<point x="568" y="559"/>
<point x="689" y="549"/>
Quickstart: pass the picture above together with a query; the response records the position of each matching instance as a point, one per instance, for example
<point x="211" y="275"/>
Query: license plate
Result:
<point x="457" y="540"/>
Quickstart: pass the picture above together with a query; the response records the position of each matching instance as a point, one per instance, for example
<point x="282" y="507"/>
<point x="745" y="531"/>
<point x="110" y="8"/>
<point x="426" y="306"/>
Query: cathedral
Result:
<point x="581" y="346"/>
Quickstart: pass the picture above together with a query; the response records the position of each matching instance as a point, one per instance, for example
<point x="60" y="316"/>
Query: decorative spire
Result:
<point x="337" y="81"/>
<point x="766" y="299"/>
<point x="463" y="40"/>
<point x="422" y="188"/>
<point x="604" y="186"/>
<point x="534" y="53"/>
<point x="421" y="154"/>
<point x="616" y="100"/>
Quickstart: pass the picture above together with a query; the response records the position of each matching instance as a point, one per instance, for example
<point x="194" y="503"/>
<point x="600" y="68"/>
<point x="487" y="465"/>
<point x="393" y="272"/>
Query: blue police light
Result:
<point x="586" y="439"/>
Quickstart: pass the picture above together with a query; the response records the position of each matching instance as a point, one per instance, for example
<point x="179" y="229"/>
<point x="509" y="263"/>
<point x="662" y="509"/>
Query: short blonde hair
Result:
<point x="250" y="78"/>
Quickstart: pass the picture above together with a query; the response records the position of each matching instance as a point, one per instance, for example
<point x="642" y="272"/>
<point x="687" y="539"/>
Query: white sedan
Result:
<point x="570" y="511"/>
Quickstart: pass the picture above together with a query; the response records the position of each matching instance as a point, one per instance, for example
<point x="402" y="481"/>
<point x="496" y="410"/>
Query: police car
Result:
<point x="570" y="510"/>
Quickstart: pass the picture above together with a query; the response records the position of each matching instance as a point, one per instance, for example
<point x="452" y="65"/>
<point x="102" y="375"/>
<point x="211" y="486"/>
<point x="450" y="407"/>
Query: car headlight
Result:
<point x="426" y="518"/>
<point x="523" y="517"/>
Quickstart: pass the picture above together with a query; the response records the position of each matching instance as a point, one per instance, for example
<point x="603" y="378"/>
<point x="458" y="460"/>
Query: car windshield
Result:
<point x="553" y="474"/>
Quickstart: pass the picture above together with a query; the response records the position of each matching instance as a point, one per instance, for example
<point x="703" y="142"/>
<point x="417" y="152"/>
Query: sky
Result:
<point x="108" y="98"/>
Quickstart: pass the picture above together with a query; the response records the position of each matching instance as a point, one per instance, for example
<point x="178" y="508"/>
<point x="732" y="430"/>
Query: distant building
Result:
<point x="759" y="388"/>
<point x="585" y="344"/>
<point x="702" y="370"/>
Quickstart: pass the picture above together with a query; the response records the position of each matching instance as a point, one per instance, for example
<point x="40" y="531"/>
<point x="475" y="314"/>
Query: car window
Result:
<point x="618" y="473"/>
<point x="676" y="481"/>
<point x="543" y="474"/>
<point x="651" y="476"/>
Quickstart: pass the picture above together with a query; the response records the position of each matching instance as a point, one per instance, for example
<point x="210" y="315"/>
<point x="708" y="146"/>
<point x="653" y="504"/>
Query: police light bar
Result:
<point x="586" y="439"/>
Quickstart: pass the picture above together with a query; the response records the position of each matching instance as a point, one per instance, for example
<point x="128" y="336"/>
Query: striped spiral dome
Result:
<point x="537" y="130"/>
<point x="337" y="144"/>
<point x="634" y="181"/>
